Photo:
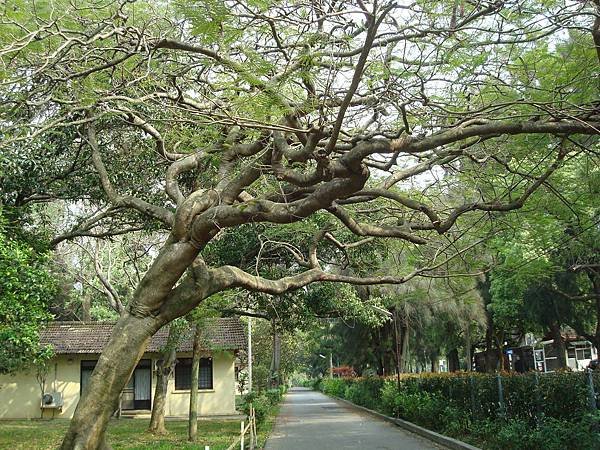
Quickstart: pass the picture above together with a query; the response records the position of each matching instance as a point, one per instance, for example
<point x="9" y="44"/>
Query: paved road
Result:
<point x="309" y="420"/>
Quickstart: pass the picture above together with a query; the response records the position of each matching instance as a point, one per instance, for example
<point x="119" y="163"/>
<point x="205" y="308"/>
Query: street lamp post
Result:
<point x="330" y="362"/>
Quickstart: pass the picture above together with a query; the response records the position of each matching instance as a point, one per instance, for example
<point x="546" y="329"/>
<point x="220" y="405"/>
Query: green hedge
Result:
<point x="538" y="410"/>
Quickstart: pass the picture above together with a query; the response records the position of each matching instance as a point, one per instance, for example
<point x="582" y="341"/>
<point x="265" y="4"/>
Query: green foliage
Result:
<point x="262" y="402"/>
<point x="26" y="286"/>
<point x="547" y="411"/>
<point x="335" y="386"/>
<point x="551" y="434"/>
<point x="365" y="392"/>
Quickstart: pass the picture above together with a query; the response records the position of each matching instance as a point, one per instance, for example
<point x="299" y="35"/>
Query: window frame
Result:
<point x="183" y="374"/>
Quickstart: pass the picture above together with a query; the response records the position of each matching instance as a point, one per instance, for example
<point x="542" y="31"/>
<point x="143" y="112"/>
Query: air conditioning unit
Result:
<point x="52" y="400"/>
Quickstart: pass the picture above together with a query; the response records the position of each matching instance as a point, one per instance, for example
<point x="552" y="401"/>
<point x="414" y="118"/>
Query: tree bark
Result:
<point x="405" y="342"/>
<point x="116" y="364"/>
<point x="500" y="346"/>
<point x="594" y="276"/>
<point x="453" y="361"/>
<point x="86" y="306"/>
<point x="468" y="352"/>
<point x="491" y="357"/>
<point x="165" y="370"/>
<point x="434" y="362"/>
<point x="193" y="418"/>
<point x="275" y="359"/>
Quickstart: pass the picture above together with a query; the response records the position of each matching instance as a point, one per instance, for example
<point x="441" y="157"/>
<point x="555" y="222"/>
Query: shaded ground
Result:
<point x="311" y="420"/>
<point x="122" y="434"/>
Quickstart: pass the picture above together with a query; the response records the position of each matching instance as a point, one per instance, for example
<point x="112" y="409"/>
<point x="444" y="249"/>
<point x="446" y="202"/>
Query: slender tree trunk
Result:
<point x="193" y="419"/>
<point x="116" y="364"/>
<point x="434" y="362"/>
<point x="500" y="346"/>
<point x="405" y="346"/>
<point x="491" y="359"/>
<point x="275" y="359"/>
<point x="453" y="362"/>
<point x="86" y="305"/>
<point x="165" y="370"/>
<point x="594" y="275"/>
<point x="468" y="353"/>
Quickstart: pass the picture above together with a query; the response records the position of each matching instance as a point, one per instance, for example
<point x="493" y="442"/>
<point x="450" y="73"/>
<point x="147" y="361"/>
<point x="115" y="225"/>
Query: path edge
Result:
<point x="438" y="438"/>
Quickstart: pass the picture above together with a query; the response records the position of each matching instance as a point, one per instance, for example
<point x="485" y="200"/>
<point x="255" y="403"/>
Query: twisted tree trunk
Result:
<point x="155" y="303"/>
<point x="116" y="364"/>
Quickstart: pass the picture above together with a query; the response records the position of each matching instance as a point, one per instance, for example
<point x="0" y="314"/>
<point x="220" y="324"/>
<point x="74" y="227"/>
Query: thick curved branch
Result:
<point x="366" y="229"/>
<point x="280" y="148"/>
<point x="261" y="210"/>
<point x="410" y="144"/>
<point x="180" y="166"/>
<point x="231" y="276"/>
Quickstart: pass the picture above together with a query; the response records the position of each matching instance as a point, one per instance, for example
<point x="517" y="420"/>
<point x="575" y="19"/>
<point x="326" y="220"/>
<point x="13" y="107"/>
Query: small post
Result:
<point x="206" y="447"/>
<point x="330" y="364"/>
<point x="501" y="397"/>
<point x="591" y="391"/>
<point x="242" y="435"/>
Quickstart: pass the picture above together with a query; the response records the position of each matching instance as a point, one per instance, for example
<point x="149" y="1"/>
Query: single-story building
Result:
<point x="77" y="346"/>
<point x="542" y="355"/>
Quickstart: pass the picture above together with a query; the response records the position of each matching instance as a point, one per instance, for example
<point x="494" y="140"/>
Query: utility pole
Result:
<point x="250" y="354"/>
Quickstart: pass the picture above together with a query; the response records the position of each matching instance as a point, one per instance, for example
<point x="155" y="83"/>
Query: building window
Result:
<point x="183" y="374"/>
<point x="87" y="367"/>
<point x="584" y="353"/>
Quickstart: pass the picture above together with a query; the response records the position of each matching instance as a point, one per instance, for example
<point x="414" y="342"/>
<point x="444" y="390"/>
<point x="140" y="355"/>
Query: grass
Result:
<point x="122" y="434"/>
<point x="131" y="434"/>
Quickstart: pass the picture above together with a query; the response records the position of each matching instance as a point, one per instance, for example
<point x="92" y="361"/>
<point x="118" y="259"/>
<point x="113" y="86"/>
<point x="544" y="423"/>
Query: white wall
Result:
<point x="20" y="395"/>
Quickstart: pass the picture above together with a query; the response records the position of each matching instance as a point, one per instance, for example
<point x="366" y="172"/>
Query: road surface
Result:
<point x="309" y="420"/>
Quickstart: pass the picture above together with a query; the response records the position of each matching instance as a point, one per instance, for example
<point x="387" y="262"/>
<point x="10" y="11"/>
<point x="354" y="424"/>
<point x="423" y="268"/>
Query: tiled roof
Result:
<point x="92" y="337"/>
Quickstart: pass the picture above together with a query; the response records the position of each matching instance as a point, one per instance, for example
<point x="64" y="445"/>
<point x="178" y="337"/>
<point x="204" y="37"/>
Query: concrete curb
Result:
<point x="446" y="441"/>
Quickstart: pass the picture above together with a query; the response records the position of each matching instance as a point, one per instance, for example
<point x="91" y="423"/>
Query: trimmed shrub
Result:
<point x="335" y="386"/>
<point x="548" y="411"/>
<point x="274" y="395"/>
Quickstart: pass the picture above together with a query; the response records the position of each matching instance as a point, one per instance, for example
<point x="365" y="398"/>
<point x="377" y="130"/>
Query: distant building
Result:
<point x="542" y="355"/>
<point x="77" y="346"/>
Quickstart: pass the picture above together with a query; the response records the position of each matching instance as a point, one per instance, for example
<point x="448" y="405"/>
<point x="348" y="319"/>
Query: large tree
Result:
<point x="201" y="117"/>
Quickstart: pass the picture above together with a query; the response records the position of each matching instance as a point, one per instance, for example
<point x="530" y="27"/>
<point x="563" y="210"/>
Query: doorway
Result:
<point x="138" y="391"/>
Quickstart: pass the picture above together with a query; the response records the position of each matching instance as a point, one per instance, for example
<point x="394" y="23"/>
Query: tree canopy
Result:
<point x="326" y="126"/>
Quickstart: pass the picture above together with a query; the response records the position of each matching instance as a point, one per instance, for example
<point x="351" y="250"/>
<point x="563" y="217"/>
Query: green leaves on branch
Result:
<point x="26" y="287"/>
